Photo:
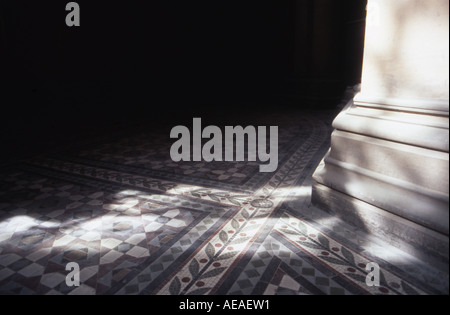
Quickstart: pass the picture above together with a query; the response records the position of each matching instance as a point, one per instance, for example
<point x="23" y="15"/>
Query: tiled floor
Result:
<point x="138" y="223"/>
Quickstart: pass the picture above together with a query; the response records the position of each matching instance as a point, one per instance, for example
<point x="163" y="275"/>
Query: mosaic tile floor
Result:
<point x="138" y="223"/>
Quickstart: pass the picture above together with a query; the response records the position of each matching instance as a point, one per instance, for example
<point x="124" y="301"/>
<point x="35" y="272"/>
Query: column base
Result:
<point x="410" y="237"/>
<point x="387" y="172"/>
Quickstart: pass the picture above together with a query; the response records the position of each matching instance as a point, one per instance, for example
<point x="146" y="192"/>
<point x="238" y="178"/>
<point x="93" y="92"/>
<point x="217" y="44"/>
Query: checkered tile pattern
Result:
<point x="126" y="214"/>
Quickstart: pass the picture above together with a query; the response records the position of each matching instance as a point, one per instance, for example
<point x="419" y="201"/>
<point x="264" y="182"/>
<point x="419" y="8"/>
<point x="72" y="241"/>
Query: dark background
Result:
<point x="152" y="62"/>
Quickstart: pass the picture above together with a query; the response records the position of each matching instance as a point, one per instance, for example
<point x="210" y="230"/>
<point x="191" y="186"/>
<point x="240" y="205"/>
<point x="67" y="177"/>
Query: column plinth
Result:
<point x="387" y="170"/>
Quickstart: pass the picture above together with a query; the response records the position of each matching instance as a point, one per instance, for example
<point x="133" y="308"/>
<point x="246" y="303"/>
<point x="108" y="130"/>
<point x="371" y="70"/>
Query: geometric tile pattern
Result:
<point x="138" y="223"/>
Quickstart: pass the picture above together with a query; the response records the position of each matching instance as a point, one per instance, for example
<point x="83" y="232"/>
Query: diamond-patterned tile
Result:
<point x="110" y="257"/>
<point x="32" y="270"/>
<point x="138" y="252"/>
<point x="7" y="259"/>
<point x="51" y="280"/>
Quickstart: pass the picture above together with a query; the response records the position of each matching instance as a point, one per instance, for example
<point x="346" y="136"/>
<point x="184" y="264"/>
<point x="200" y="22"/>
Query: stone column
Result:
<point x="388" y="167"/>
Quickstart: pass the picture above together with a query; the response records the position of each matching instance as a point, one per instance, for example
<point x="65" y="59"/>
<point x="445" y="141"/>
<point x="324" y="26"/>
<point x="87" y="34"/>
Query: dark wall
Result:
<point x="153" y="60"/>
<point x="169" y="51"/>
<point x="329" y="41"/>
